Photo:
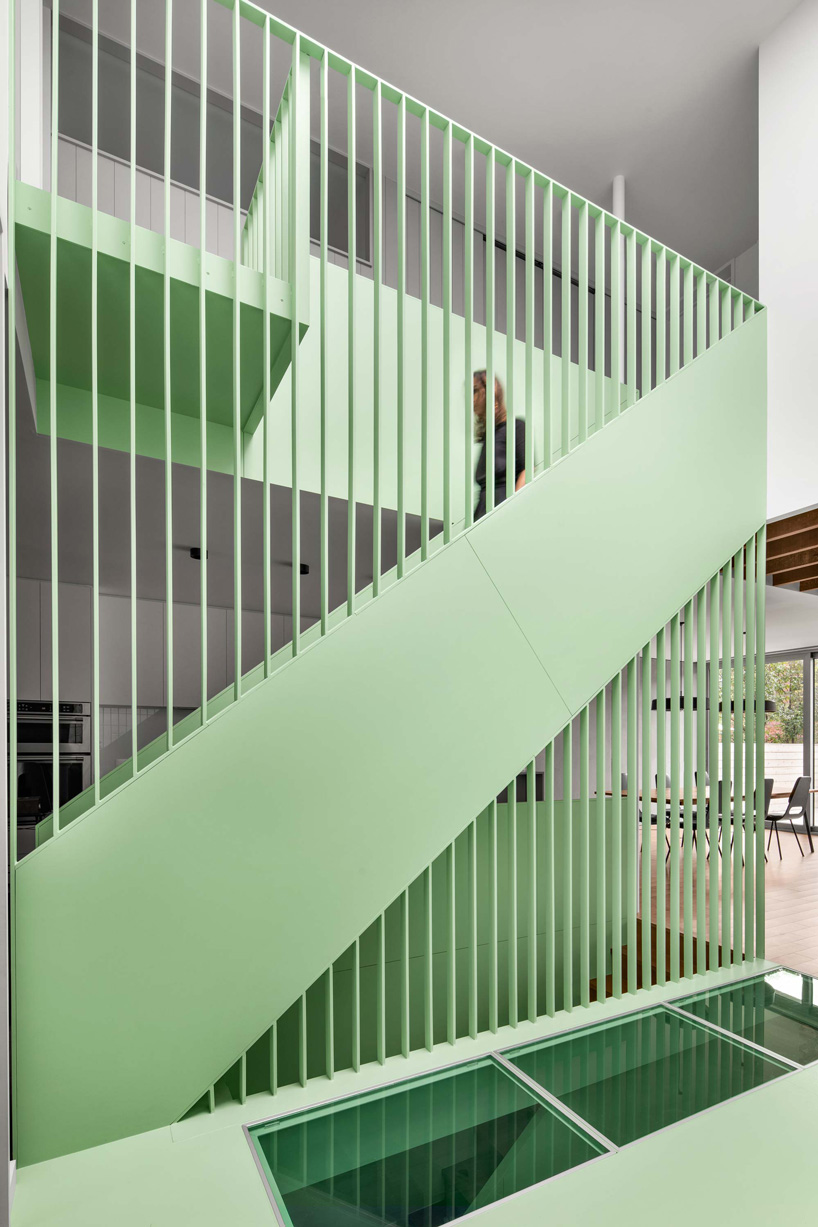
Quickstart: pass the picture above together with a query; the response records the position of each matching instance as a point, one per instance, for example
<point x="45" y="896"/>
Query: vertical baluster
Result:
<point x="701" y="778"/>
<point x="468" y="310"/>
<point x="490" y="243"/>
<point x="599" y="320"/>
<point x="727" y="796"/>
<point x="424" y="334"/>
<point x="55" y="674"/>
<point x="472" y="947"/>
<point x="632" y="824"/>
<point x="716" y="787"/>
<point x="753" y="786"/>
<point x="647" y="317"/>
<point x="451" y="945"/>
<point x="511" y="846"/>
<point x="725" y="298"/>
<point x="447" y="332"/>
<point x="738" y="756"/>
<point x="549" y="873"/>
<point x="584" y="831"/>
<point x="687" y="786"/>
<point x="377" y="254"/>
<point x="428" y="969"/>
<point x="567" y="868"/>
<point x="547" y="320"/>
<point x="565" y="326"/>
<point x="630" y="257"/>
<point x="401" y="322"/>
<point x="329" y="1022"/>
<point x="511" y="323"/>
<point x="280" y="206"/>
<point x="616" y="326"/>
<point x="53" y="424"/>
<point x="712" y="310"/>
<point x="701" y="312"/>
<point x="132" y="369"/>
<point x="688" y="313"/>
<point x="356" y="1004"/>
<point x="661" y="798"/>
<point x="352" y="215"/>
<point x="10" y="305"/>
<point x="582" y="333"/>
<point x="760" y="594"/>
<point x="266" y="267"/>
<point x="675" y="800"/>
<point x="237" y="456"/>
<point x="302" y="1040"/>
<point x="323" y="339"/>
<point x="675" y="311"/>
<point x="492" y="856"/>
<point x="273" y="1057"/>
<point x="380" y="991"/>
<point x="661" y="315"/>
<point x="404" y="974"/>
<point x="533" y="862"/>
<point x="616" y="824"/>
<point x="646" y="810"/>
<point x="295" y="204"/>
<point x="601" y="858"/>
<point x="529" y="327"/>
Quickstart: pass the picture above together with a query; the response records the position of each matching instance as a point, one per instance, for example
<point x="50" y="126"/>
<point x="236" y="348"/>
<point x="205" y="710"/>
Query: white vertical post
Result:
<point x="618" y="210"/>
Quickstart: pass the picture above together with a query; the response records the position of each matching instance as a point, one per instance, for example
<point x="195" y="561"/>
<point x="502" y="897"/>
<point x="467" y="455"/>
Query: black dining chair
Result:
<point x="797" y="807"/>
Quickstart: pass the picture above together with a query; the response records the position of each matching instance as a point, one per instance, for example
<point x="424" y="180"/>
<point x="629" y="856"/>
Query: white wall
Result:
<point x="788" y="253"/>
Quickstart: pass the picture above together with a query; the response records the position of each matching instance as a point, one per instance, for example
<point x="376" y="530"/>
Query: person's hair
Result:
<point x="480" y="399"/>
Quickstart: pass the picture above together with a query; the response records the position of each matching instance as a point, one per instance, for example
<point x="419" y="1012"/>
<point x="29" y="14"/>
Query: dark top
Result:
<point x="500" y="464"/>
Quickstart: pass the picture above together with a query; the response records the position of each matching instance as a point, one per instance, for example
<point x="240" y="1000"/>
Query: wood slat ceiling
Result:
<point x="792" y="550"/>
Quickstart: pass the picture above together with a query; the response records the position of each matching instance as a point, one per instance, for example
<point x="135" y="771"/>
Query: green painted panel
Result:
<point x="149" y="926"/>
<point x="644" y="507"/>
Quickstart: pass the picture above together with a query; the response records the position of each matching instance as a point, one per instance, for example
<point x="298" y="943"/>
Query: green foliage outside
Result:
<point x="785" y="686"/>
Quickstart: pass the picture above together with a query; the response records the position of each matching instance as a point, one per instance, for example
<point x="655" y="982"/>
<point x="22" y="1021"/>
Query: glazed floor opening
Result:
<point x="436" y="1149"/>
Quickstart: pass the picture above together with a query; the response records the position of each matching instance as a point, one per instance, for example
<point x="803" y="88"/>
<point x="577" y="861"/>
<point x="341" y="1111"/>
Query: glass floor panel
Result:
<point x="633" y="1076"/>
<point x="779" y="1011"/>
<point x="417" y="1154"/>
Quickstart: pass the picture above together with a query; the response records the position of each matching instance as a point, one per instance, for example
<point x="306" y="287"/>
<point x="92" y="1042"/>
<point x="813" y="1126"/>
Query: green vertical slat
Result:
<point x="512" y="903"/>
<point x="582" y="333"/>
<point x="11" y="459"/>
<point x="549" y="874"/>
<point x="294" y="154"/>
<point x="761" y="595"/>
<point x="714" y="817"/>
<point x="661" y="801"/>
<point x="424" y="334"/>
<point x="511" y="322"/>
<point x="687" y="785"/>
<point x="726" y="302"/>
<point x="632" y="827"/>
<point x="405" y="1004"/>
<point x="377" y="254"/>
<point x="616" y="832"/>
<point x="302" y="1040"/>
<point x="468" y="309"/>
<point x="472" y="947"/>
<point x="645" y="908"/>
<point x="753" y="787"/>
<point x="601" y="858"/>
<point x="401" y="324"/>
<point x="267" y="271"/>
<point x="567" y="869"/>
<point x="630" y="254"/>
<point x="712" y="311"/>
<point x="647" y="317"/>
<point x="616" y="327"/>
<point x="529" y="326"/>
<point x="380" y="991"/>
<point x="281" y="211"/>
<point x="451" y="946"/>
<point x="599" y="320"/>
<point x="675" y="816"/>
<point x="675" y="311"/>
<point x="55" y="677"/>
<point x="274" y="1059"/>
<point x="701" y="312"/>
<point x="688" y="314"/>
<point x="547" y="320"/>
<point x="324" y="337"/>
<point x="53" y="439"/>
<point x="132" y="379"/>
<point x="237" y="603"/>
<point x="726" y="686"/>
<point x="661" y="315"/>
<point x="492" y="953"/>
<point x="428" y="969"/>
<point x="738" y="756"/>
<point x="329" y="1023"/>
<point x="203" y="360"/>
<point x="701" y="777"/>
<point x="565" y="326"/>
<point x="584" y="832"/>
<point x="447" y="332"/>
<point x="356" y="1005"/>
<point x="490" y="244"/>
<point x="533" y="861"/>
<point x="352" y="161"/>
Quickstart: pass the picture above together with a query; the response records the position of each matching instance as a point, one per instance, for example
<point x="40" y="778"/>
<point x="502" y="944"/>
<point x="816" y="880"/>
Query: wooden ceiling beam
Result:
<point x="789" y="562"/>
<point x="792" y="524"/>
<point x="796" y="574"/>
<point x="793" y="544"/>
<point x="809" y="585"/>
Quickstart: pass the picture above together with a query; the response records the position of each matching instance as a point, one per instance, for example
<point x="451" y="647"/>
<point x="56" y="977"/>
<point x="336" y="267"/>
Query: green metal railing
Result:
<point x="534" y="908"/>
<point x="394" y="437"/>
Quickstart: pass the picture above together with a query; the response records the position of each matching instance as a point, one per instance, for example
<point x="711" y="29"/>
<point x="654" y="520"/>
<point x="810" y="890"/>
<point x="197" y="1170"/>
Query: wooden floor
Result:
<point x="792" y="902"/>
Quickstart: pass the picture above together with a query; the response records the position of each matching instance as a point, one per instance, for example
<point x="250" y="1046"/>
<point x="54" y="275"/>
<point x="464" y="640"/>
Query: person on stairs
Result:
<point x="500" y="444"/>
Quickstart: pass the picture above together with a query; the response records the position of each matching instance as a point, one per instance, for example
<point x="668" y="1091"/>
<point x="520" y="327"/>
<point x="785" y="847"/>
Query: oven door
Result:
<point x="35" y="783"/>
<point x="34" y="733"/>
